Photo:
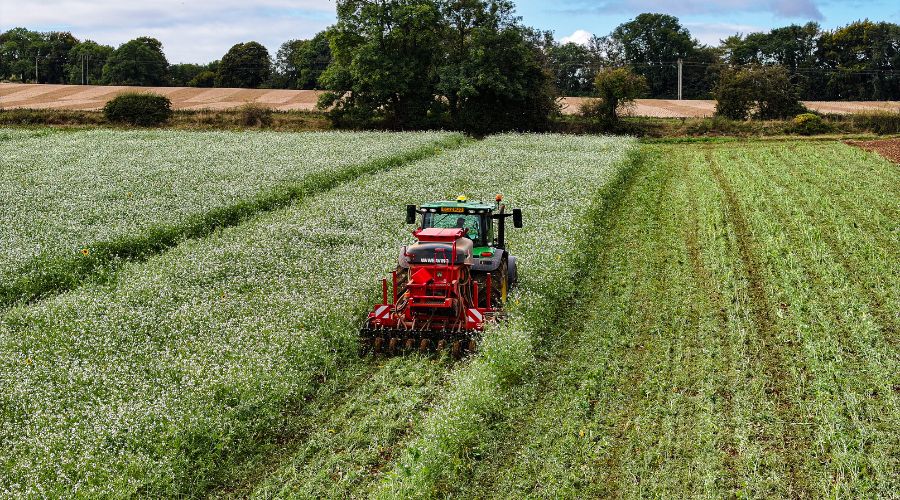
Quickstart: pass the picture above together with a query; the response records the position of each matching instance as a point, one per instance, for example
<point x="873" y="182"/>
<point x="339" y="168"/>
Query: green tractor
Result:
<point x="448" y="284"/>
<point x="485" y="225"/>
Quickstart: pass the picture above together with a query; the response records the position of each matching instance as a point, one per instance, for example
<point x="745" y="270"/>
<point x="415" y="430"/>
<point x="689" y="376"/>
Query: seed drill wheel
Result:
<point x="424" y="346"/>
<point x="442" y="344"/>
<point x="408" y="345"/>
<point x="456" y="349"/>
<point x="376" y="346"/>
<point x="472" y="345"/>
<point x="392" y="346"/>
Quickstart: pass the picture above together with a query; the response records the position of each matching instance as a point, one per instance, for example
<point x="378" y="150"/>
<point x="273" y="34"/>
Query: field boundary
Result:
<point x="99" y="261"/>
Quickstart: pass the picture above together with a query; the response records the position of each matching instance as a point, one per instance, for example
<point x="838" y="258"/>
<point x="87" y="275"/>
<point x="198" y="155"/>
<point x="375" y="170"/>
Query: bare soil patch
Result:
<point x="888" y="148"/>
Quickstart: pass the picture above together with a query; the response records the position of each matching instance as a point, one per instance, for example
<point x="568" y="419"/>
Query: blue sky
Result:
<point x="203" y="30"/>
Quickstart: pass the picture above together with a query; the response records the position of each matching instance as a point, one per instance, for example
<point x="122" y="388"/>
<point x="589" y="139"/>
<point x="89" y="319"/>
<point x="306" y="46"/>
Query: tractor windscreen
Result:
<point x="472" y="224"/>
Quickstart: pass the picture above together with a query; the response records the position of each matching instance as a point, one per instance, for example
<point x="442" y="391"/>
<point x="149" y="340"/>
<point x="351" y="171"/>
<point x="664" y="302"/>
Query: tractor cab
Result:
<point x="475" y="217"/>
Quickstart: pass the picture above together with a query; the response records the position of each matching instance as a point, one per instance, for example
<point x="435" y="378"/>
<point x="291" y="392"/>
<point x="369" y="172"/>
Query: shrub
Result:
<point x="617" y="88"/>
<point x="879" y="122"/>
<point x="762" y="92"/>
<point x="204" y="79"/>
<point x="809" y="124"/>
<point x="255" y="115"/>
<point x="140" y="109"/>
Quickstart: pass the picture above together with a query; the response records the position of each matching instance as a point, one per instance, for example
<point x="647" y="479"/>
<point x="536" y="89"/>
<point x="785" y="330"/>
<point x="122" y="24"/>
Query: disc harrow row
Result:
<point x="392" y="342"/>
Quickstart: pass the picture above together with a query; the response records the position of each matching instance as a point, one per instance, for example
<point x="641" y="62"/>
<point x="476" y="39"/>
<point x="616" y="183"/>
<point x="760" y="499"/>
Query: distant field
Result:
<point x="91" y="97"/>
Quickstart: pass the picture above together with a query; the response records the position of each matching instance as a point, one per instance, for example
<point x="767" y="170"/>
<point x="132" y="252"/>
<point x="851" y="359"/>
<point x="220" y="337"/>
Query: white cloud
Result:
<point x="190" y="31"/>
<point x="581" y="37"/>
<point x="712" y="33"/>
<point x="807" y="9"/>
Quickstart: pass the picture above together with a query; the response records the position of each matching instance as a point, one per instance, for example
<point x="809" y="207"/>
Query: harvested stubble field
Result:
<point x="712" y="319"/>
<point x="93" y="97"/>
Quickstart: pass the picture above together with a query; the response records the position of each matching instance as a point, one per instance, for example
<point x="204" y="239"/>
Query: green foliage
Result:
<point x="494" y="76"/>
<point x="193" y="75"/>
<point x="886" y="122"/>
<point x="86" y="61"/>
<point x="762" y="92"/>
<point x="203" y="79"/>
<point x="616" y="88"/>
<point x="404" y="63"/>
<point x="384" y="68"/>
<point x="139" y="62"/>
<point x="809" y="124"/>
<point x="652" y="43"/>
<point x="793" y="47"/>
<point x="862" y="60"/>
<point x="255" y="115"/>
<point x="246" y="65"/>
<point x="20" y="49"/>
<point x="300" y="63"/>
<point x="140" y="109"/>
<point x="573" y="67"/>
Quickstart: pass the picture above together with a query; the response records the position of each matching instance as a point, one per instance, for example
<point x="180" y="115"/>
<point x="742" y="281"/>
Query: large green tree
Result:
<point x="300" y="63"/>
<point x="188" y="74"/>
<point x="86" y="61"/>
<point x="494" y="74"/>
<point x="408" y="63"/>
<point x="246" y="65"/>
<point x="862" y="61"/>
<point x="19" y="50"/>
<point x="137" y="62"/>
<point x="384" y="67"/>
<point x="651" y="44"/>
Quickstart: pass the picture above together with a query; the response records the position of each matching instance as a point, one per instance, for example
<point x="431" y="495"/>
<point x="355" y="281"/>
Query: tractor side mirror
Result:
<point x="517" y="217"/>
<point x="410" y="214"/>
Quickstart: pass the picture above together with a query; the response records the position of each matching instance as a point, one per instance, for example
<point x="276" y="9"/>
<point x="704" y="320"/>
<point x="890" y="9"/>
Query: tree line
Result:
<point x="472" y="64"/>
<point x="59" y="57"/>
<point x="859" y="61"/>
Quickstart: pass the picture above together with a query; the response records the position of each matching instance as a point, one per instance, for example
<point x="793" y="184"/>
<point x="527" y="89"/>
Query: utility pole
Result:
<point x="81" y="60"/>
<point x="36" y="68"/>
<point x="87" y="78"/>
<point x="679" y="78"/>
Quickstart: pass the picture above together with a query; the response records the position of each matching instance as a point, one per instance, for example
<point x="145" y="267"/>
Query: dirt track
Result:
<point x="87" y="97"/>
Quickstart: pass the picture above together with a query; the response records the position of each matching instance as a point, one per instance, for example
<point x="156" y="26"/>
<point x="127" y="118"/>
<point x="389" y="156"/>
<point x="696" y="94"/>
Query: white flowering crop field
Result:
<point x="165" y="378"/>
<point x="75" y="201"/>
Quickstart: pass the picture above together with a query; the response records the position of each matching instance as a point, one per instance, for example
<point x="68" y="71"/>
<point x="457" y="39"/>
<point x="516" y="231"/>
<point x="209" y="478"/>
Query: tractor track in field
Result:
<point x="703" y="278"/>
<point x="105" y="258"/>
<point x="558" y="349"/>
<point x="637" y="374"/>
<point x="288" y="442"/>
<point x="767" y="352"/>
<point x="314" y="419"/>
<point x="888" y="325"/>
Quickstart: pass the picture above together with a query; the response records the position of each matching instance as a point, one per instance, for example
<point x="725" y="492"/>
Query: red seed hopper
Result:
<point x="431" y="301"/>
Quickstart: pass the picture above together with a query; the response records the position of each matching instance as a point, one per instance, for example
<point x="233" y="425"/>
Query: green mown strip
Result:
<point x="728" y="347"/>
<point x="99" y="261"/>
